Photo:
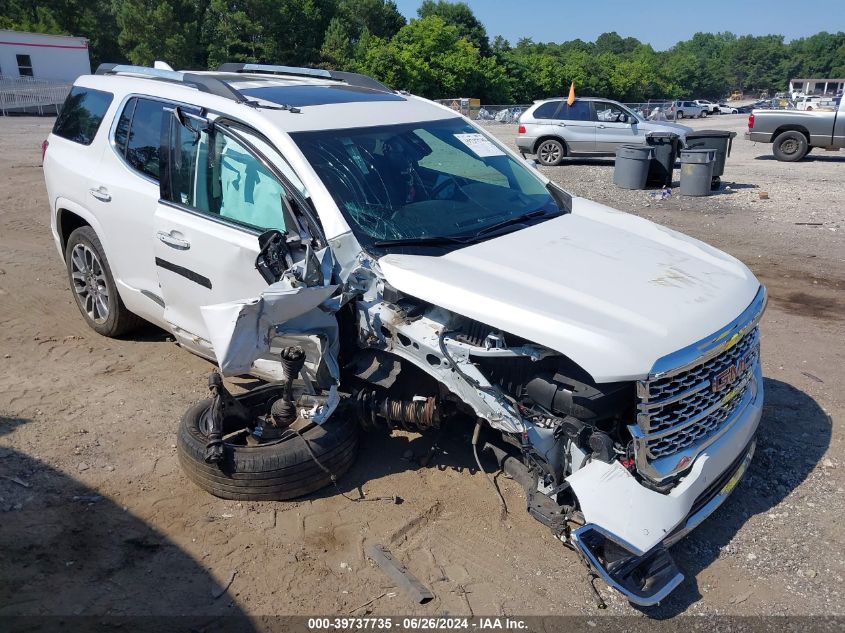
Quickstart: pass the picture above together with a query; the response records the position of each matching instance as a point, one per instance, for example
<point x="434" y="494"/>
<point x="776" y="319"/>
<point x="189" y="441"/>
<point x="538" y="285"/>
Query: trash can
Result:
<point x="662" y="166"/>
<point x="721" y="141"/>
<point x="631" y="169"/>
<point x="697" y="171"/>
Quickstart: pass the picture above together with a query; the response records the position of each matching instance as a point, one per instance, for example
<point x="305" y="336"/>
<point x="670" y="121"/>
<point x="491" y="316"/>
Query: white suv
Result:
<point x="396" y="265"/>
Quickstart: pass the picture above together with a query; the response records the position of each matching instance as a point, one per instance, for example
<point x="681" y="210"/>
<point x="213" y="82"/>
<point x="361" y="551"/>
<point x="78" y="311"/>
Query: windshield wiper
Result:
<point x="431" y="240"/>
<point x="519" y="219"/>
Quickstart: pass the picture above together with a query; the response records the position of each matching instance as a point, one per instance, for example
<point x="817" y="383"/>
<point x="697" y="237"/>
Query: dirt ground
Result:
<point x="96" y="516"/>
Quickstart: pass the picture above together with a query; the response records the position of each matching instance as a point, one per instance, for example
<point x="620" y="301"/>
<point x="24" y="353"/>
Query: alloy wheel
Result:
<point x="89" y="283"/>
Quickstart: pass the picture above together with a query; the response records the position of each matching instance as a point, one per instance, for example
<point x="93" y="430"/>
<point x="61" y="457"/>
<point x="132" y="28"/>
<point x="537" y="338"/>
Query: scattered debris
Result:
<point x="812" y="377"/>
<point x="369" y="602"/>
<point x="763" y="195"/>
<point x="82" y="466"/>
<point x="661" y="195"/>
<point x="741" y="597"/>
<point x="809" y="223"/>
<point x="399" y="574"/>
<point x="827" y="463"/>
<point x="16" y="480"/>
<point x="219" y="591"/>
<point x="88" y="498"/>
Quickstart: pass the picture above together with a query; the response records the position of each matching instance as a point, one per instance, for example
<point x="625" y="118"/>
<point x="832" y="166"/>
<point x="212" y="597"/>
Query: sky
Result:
<point x="661" y="23"/>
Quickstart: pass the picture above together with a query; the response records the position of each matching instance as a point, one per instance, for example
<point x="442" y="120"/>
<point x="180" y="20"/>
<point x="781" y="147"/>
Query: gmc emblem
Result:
<point x="728" y="376"/>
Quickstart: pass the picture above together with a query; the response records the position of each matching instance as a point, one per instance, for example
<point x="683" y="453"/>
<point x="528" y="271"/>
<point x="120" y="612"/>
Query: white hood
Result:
<point x="611" y="291"/>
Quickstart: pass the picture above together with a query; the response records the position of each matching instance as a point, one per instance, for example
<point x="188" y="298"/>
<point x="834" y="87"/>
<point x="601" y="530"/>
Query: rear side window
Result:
<point x="547" y="110"/>
<point x="578" y="111"/>
<point x="137" y="136"/>
<point x="82" y="114"/>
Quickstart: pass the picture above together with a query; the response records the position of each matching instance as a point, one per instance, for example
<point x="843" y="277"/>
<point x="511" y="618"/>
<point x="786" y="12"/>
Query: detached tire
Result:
<point x="272" y="472"/>
<point x="790" y="146"/>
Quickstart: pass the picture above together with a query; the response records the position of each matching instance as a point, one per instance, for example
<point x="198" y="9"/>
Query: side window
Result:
<point x="137" y="135"/>
<point x="24" y="65"/>
<point x="606" y="112"/>
<point x="547" y="110"/>
<point x="215" y="174"/>
<point x="578" y="111"/>
<point x="82" y="114"/>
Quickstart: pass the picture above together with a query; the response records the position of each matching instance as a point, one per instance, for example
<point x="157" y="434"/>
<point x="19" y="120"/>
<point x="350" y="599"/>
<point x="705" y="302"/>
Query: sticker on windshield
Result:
<point x="479" y="145"/>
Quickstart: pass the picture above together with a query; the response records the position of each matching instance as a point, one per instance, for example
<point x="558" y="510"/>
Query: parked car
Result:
<point x="685" y="109"/>
<point x="707" y="107"/>
<point x="793" y="133"/>
<point x="552" y="129"/>
<point x="809" y="103"/>
<point x="724" y="108"/>
<point x="387" y="263"/>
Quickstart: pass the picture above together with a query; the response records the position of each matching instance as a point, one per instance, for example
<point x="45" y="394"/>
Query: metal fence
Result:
<point x="26" y="95"/>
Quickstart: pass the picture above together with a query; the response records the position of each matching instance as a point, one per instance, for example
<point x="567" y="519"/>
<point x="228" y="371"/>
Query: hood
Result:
<point x="611" y="291"/>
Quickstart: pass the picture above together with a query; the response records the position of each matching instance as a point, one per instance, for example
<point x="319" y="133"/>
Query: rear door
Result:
<point x="124" y="198"/>
<point x="576" y="126"/>
<point x="218" y="195"/>
<point x="615" y="127"/>
<point x="542" y="121"/>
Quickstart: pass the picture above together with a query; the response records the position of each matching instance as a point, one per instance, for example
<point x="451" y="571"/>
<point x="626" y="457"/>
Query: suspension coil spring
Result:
<point x="409" y="415"/>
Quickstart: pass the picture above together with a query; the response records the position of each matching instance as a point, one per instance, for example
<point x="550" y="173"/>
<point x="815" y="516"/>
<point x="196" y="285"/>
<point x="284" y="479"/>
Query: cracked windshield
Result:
<point x="424" y="180"/>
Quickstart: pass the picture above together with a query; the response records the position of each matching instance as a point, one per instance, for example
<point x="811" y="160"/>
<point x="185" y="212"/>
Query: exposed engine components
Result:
<point x="602" y="446"/>
<point x="419" y="414"/>
<point x="223" y="405"/>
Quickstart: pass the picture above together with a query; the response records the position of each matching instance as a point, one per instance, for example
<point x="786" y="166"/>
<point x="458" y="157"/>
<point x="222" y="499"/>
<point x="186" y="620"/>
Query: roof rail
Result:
<point x="203" y="83"/>
<point x="353" y="79"/>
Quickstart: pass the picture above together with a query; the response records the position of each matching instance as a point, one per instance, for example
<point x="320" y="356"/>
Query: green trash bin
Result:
<point x="697" y="171"/>
<point x="631" y="168"/>
<point x="666" y="146"/>
<point x="719" y="140"/>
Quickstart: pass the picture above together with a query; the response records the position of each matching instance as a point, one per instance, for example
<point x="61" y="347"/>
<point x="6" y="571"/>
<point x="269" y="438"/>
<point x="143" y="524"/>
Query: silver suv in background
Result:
<point x="552" y="129"/>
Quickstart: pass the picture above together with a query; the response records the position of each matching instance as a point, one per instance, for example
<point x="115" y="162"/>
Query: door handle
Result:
<point x="601" y="127"/>
<point x="175" y="242"/>
<point x="560" y="124"/>
<point x="100" y="193"/>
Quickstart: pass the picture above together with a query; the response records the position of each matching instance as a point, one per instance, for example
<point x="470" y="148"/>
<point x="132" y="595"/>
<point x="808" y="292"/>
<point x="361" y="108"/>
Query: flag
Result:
<point x="571" y="98"/>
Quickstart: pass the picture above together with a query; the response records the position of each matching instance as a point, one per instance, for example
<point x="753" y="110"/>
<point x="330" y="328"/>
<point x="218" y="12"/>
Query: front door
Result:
<point x="615" y="127"/>
<point x="575" y="125"/>
<point x="219" y="195"/>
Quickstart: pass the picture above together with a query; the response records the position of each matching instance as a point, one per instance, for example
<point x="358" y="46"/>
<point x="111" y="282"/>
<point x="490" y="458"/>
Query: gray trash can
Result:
<point x="631" y="169"/>
<point x="697" y="171"/>
<point x="666" y="146"/>
<point x="721" y="141"/>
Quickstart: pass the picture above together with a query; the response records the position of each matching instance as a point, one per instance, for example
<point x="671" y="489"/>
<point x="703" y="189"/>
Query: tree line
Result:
<point x="444" y="52"/>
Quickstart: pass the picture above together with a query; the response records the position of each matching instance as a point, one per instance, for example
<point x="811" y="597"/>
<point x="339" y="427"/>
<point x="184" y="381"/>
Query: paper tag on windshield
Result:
<point x="479" y="145"/>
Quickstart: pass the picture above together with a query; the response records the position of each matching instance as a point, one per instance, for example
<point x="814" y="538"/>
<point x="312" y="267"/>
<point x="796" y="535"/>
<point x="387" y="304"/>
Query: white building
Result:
<point x="817" y="86"/>
<point x="49" y="57"/>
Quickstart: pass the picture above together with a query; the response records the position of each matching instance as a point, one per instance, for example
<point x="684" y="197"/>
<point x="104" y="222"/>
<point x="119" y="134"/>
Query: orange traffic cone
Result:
<point x="571" y="98"/>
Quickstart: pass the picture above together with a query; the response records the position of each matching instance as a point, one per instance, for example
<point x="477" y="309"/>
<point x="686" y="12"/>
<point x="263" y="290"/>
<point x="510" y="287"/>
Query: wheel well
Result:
<point x="550" y="137"/>
<point x="791" y="128"/>
<point x="67" y="222"/>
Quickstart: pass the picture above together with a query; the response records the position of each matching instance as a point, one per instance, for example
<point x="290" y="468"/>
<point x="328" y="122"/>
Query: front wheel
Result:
<point x="93" y="285"/>
<point x="703" y="113"/>
<point x="790" y="146"/>
<point x="680" y="115"/>
<point x="550" y="152"/>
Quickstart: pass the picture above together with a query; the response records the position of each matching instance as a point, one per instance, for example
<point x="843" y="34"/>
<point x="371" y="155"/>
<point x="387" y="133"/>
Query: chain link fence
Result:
<point x="26" y="95"/>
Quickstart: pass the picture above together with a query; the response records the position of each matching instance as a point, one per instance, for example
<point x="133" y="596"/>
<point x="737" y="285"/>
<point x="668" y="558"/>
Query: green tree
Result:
<point x="380" y="17"/>
<point x="461" y="16"/>
<point x="168" y="30"/>
<point x="336" y="51"/>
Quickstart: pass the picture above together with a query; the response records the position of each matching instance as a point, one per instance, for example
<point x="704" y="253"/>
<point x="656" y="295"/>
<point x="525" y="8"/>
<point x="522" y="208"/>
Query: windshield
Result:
<point x="426" y="180"/>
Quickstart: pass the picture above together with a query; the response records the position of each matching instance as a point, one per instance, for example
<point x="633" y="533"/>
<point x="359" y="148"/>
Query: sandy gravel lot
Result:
<point x="97" y="518"/>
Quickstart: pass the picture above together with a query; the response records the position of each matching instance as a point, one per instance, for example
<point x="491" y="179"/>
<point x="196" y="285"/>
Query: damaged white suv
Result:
<point x="385" y="262"/>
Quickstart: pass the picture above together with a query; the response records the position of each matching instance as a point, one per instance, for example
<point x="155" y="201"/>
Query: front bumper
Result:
<point x="647" y="578"/>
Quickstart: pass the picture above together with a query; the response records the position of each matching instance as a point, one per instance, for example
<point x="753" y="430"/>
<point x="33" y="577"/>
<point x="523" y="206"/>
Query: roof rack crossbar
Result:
<point x="203" y="83"/>
<point x="353" y="79"/>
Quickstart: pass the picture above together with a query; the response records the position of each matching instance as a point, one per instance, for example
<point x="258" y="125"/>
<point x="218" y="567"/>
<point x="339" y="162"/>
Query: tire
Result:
<point x="679" y="115"/>
<point x="790" y="146"/>
<point x="550" y="152"/>
<point x="93" y="287"/>
<point x="704" y="114"/>
<point x="274" y="472"/>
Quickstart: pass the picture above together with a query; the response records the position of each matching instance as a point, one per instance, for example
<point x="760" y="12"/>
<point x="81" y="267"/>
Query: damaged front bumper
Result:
<point x="646" y="578"/>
